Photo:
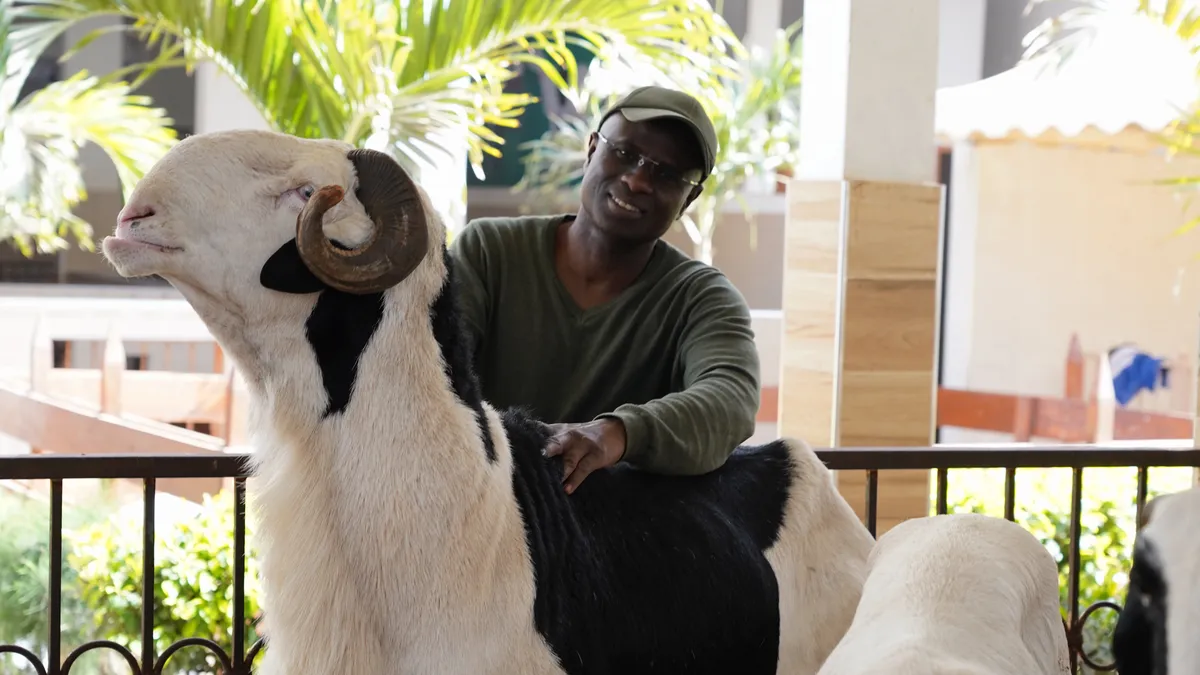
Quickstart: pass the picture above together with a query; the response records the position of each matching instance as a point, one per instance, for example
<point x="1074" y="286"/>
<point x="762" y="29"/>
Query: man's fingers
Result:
<point x="587" y="464"/>
<point x="572" y="454"/>
<point x="560" y="439"/>
<point x="557" y="444"/>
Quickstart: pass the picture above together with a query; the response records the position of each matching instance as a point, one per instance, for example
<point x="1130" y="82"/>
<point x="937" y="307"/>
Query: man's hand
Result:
<point x="586" y="447"/>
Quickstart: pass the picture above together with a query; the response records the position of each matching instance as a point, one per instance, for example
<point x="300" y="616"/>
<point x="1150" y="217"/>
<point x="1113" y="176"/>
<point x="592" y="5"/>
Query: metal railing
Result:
<point x="149" y="469"/>
<point x="1074" y="457"/>
<point x="238" y="660"/>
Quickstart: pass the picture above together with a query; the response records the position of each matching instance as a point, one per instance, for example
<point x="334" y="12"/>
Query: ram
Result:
<point x="406" y="525"/>
<point x="962" y="594"/>
<point x="1157" y="630"/>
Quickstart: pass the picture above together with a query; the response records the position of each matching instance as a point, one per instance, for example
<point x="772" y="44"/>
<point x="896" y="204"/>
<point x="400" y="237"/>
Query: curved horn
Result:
<point x="399" y="239"/>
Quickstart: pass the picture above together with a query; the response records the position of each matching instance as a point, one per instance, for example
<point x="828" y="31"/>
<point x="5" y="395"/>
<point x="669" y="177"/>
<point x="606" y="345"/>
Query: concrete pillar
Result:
<point x="100" y="57"/>
<point x="763" y="21"/>
<point x="961" y="41"/>
<point x="763" y="18"/>
<point x="863" y="243"/>
<point x="220" y="103"/>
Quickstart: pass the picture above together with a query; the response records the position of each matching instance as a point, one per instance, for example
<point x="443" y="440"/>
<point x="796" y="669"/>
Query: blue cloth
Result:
<point x="1133" y="371"/>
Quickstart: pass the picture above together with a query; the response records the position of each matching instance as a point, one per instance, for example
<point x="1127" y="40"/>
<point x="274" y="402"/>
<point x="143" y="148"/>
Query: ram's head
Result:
<point x="227" y="211"/>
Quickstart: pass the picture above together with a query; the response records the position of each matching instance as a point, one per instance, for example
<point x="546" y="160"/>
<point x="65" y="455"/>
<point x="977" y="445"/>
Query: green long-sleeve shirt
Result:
<point x="673" y="357"/>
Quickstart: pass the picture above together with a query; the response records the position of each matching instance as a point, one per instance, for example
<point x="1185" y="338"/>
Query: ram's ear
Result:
<point x="285" y="272"/>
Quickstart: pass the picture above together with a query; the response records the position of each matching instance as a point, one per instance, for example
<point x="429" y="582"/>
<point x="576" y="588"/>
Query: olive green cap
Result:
<point x="653" y="102"/>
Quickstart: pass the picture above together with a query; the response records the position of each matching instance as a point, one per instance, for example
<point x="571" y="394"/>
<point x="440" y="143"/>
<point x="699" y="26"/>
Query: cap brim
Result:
<point x="643" y="114"/>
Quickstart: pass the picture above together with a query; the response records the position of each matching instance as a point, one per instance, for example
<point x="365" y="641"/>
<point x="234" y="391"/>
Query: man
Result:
<point x="590" y="321"/>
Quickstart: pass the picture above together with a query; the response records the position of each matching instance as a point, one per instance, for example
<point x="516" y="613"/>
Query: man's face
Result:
<point x="638" y="203"/>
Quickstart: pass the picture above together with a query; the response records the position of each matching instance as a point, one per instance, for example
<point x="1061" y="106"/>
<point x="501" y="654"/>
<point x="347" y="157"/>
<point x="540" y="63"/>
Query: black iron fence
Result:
<point x="149" y="469"/>
<point x="1073" y="457"/>
<point x="238" y="660"/>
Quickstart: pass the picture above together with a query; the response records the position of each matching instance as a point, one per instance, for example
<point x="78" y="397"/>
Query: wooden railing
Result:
<point x="60" y="402"/>
<point x="214" y="403"/>
<point x="121" y="378"/>
<point x="1086" y="413"/>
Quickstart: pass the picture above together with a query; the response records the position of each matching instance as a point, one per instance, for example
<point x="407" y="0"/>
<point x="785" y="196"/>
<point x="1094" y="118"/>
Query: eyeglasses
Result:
<point x="630" y="160"/>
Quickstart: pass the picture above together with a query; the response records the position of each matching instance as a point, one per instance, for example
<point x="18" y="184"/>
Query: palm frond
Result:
<point x="1063" y="34"/>
<point x="554" y="161"/>
<point x="336" y="69"/>
<point x="1183" y="16"/>
<point x="1060" y="36"/>
<point x="41" y="136"/>
<point x="265" y="47"/>
<point x="41" y="181"/>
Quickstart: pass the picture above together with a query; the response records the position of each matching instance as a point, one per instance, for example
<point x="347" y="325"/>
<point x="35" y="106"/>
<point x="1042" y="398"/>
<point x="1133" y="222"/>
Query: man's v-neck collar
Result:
<point x="648" y="275"/>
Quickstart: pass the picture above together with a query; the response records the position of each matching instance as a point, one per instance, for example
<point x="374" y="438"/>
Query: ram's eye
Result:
<point x="306" y="192"/>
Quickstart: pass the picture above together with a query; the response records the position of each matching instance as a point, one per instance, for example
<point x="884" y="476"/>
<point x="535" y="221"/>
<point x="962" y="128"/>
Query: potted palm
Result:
<point x="424" y="80"/>
<point x="41" y="134"/>
<point x="755" y="110"/>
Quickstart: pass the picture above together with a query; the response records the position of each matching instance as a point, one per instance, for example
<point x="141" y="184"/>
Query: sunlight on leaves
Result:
<point x="405" y="72"/>
<point x="41" y="136"/>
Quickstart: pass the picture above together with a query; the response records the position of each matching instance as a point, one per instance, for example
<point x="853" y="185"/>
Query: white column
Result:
<point x="961" y="40"/>
<point x="870" y="72"/>
<point x="763" y="18"/>
<point x="220" y="104"/>
<point x="99" y="58"/>
<point x="862" y="249"/>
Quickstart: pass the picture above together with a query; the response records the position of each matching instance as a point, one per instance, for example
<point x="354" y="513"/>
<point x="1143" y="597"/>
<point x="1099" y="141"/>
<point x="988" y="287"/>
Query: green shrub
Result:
<point x="1043" y="506"/>
<point x="25" y="582"/>
<point x="193" y="580"/>
<point x="194" y="563"/>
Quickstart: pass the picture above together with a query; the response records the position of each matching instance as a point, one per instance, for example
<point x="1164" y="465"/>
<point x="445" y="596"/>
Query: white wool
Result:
<point x="388" y="543"/>
<point x="960" y="594"/>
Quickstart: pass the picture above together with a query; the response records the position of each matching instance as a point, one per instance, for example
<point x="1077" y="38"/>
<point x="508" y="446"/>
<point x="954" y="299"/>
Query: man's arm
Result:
<point x="695" y="430"/>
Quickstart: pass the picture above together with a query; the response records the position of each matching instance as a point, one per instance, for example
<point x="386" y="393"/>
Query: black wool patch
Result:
<point x="643" y="574"/>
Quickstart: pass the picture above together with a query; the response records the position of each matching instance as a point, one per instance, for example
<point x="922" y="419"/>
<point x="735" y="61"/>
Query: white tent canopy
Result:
<point x="1134" y="72"/>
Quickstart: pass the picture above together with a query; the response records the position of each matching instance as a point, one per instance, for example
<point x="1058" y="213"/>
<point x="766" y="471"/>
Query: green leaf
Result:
<point x="41" y="136"/>
<point x="317" y="68"/>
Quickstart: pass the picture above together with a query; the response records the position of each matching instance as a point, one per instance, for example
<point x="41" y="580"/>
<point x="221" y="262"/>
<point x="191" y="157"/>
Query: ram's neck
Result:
<point x="250" y="336"/>
<point x="374" y="366"/>
<point x="410" y="383"/>
<point x="389" y="375"/>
